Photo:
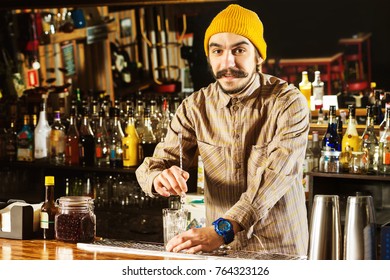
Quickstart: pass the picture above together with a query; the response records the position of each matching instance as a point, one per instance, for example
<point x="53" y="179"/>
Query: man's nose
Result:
<point x="229" y="60"/>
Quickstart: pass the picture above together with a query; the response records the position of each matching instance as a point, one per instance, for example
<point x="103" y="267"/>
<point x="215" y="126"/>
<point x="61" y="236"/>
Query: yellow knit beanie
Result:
<point x="238" y="20"/>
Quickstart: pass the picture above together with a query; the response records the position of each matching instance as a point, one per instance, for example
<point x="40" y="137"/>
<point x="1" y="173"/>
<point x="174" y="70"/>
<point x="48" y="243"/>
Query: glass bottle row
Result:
<point x="94" y="140"/>
<point x="354" y="153"/>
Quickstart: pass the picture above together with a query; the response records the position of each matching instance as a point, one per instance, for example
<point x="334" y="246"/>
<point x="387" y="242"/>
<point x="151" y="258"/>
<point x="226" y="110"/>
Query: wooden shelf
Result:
<point x="350" y="176"/>
<point x="66" y="168"/>
<point x="79" y="33"/>
<point x="321" y="128"/>
<point x="359" y="112"/>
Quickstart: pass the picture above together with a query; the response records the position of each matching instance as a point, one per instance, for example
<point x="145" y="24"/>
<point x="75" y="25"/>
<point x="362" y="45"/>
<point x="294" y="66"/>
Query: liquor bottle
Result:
<point x="382" y="125"/>
<point x="115" y="142"/>
<point x="41" y="135"/>
<point x="369" y="144"/>
<point x="106" y="105"/>
<point x="94" y="116"/>
<point x="145" y="131"/>
<point x="101" y="141"/>
<point x="110" y="119"/>
<point x="11" y="142"/>
<point x="87" y="141"/>
<point x="57" y="141"/>
<point x="326" y="119"/>
<point x="130" y="142"/>
<point x="378" y="93"/>
<point x="154" y="115"/>
<point x="48" y="210"/>
<point x="318" y="90"/>
<point x="162" y="127"/>
<point x="320" y="119"/>
<point x="343" y="116"/>
<point x="25" y="142"/>
<point x="139" y="114"/>
<point x="34" y="122"/>
<point x="340" y="130"/>
<point x="384" y="147"/>
<point x="351" y="139"/>
<point x="316" y="149"/>
<point x="72" y="142"/>
<point x="305" y="87"/>
<point x="331" y="140"/>
<point x="128" y="105"/>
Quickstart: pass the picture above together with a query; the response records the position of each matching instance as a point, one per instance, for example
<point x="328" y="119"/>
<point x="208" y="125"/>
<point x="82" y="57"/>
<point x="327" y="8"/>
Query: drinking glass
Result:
<point x="174" y="222"/>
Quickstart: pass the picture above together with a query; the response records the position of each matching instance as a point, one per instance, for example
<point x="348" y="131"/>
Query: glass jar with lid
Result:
<point x="330" y="161"/>
<point x="75" y="220"/>
<point x="357" y="164"/>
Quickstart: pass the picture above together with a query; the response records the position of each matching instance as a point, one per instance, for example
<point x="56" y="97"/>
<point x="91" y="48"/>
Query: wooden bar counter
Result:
<point x="111" y="249"/>
<point x="12" y="249"/>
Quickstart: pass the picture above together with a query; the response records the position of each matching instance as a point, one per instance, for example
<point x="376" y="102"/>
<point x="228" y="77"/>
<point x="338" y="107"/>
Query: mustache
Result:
<point x="236" y="73"/>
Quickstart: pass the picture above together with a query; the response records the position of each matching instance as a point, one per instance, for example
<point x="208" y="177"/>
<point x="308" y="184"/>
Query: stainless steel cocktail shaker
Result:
<point x="359" y="230"/>
<point x="325" y="229"/>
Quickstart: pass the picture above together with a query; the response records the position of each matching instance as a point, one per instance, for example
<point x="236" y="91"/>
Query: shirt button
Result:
<point x="235" y="107"/>
<point x="237" y="136"/>
<point x="238" y="166"/>
<point x="234" y="101"/>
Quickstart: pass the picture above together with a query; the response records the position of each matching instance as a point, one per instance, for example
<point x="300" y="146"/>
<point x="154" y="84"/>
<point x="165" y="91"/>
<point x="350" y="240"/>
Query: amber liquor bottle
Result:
<point x="72" y="137"/>
<point x="87" y="142"/>
<point x="48" y="210"/>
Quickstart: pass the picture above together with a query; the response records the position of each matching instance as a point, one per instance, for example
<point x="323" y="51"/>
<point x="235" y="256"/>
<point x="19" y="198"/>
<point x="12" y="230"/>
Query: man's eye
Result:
<point x="238" y="51"/>
<point x="216" y="51"/>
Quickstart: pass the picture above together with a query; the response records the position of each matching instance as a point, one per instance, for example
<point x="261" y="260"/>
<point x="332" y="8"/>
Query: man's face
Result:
<point x="233" y="61"/>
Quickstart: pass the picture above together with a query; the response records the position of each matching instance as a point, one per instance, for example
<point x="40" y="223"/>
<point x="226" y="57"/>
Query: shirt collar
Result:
<point x="249" y="95"/>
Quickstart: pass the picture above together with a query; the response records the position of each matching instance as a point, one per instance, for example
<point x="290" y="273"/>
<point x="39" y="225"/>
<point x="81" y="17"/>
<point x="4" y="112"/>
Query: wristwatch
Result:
<point x="224" y="228"/>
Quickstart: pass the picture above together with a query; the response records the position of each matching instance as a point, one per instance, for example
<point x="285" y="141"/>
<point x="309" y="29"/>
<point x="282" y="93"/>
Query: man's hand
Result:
<point x="172" y="181"/>
<point x="196" y="240"/>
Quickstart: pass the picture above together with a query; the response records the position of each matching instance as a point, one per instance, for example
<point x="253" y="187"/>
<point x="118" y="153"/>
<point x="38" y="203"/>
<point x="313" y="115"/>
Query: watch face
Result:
<point x="224" y="226"/>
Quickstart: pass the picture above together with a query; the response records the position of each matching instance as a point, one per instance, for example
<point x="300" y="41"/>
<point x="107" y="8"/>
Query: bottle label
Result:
<point x="44" y="220"/>
<point x="307" y="167"/>
<point x="40" y="143"/>
<point x="386" y="158"/>
<point x="112" y="153"/>
<point x="57" y="142"/>
<point x="318" y="93"/>
<point x="25" y="154"/>
<point x="99" y="151"/>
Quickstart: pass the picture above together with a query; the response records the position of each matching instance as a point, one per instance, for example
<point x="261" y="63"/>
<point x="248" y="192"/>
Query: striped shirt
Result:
<point x="252" y="147"/>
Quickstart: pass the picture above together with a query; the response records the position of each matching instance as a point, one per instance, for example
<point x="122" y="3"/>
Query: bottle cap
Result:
<point x="49" y="180"/>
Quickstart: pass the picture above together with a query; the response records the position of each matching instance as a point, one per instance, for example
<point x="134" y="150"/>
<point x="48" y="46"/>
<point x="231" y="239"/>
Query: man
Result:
<point x="251" y="131"/>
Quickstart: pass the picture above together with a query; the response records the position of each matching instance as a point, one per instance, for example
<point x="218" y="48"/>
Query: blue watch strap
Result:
<point x="228" y="237"/>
